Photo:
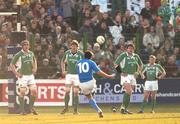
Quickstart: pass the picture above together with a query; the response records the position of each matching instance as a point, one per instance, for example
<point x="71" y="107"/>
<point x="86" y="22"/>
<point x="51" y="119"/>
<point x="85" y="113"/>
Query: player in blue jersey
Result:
<point x="85" y="69"/>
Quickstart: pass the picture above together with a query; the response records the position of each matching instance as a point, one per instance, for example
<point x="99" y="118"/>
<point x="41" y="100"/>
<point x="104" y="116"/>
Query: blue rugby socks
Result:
<point x="92" y="102"/>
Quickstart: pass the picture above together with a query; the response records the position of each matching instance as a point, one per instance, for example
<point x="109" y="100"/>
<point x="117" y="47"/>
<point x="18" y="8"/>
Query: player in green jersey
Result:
<point x="153" y="73"/>
<point x="130" y="65"/>
<point x="68" y="65"/>
<point x="24" y="66"/>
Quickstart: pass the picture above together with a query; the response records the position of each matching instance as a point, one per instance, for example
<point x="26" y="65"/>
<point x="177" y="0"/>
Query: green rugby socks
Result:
<point x="66" y="99"/>
<point x="32" y="100"/>
<point x="21" y="103"/>
<point x="126" y="100"/>
<point x="143" y="105"/>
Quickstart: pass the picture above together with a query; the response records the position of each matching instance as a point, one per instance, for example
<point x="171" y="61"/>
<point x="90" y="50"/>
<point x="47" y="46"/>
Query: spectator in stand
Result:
<point x="171" y="67"/>
<point x="171" y="33"/>
<point x="145" y="53"/>
<point x="107" y="19"/>
<point x="34" y="26"/>
<point x="127" y="14"/>
<point x="142" y="30"/>
<point x="116" y="29"/>
<point x="98" y="52"/>
<point x="59" y="56"/>
<point x="87" y="30"/>
<point x="177" y="37"/>
<point x="146" y="12"/>
<point x="67" y="6"/>
<point x="164" y="12"/>
<point x="49" y="51"/>
<point x="159" y="30"/>
<point x="84" y="16"/>
<point x="152" y="38"/>
<point x="39" y="53"/>
<point x="103" y="30"/>
<point x="59" y="36"/>
<point x="36" y="9"/>
<point x="178" y="16"/>
<point x="168" y="47"/>
<point x="45" y="70"/>
<point x="176" y="53"/>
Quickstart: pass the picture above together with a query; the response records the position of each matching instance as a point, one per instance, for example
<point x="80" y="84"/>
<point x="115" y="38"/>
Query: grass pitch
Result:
<point x="166" y="114"/>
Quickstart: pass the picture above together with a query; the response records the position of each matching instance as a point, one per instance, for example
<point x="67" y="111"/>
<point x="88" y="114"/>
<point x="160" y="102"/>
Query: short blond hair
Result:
<point x="75" y="42"/>
<point x="24" y="41"/>
<point x="152" y="56"/>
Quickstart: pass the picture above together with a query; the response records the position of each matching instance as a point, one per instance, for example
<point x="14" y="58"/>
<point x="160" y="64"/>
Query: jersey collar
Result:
<point x="72" y="53"/>
<point x="150" y="64"/>
<point x="24" y="51"/>
<point x="128" y="54"/>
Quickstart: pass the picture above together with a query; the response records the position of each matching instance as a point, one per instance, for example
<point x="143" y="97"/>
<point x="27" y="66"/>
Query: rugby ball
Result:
<point x="100" y="40"/>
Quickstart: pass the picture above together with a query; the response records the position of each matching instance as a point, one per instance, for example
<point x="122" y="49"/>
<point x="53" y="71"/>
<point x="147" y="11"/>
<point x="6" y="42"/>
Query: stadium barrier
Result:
<point x="110" y="91"/>
<point x="51" y="93"/>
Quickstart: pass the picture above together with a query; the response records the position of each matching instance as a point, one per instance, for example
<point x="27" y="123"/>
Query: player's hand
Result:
<point x="159" y="77"/>
<point x="142" y="76"/>
<point x="34" y="71"/>
<point x="19" y="75"/>
<point x="136" y="74"/>
<point x="112" y="76"/>
<point x="63" y="74"/>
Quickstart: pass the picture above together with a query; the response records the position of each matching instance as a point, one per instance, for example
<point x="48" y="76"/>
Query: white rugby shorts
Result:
<point x="151" y="85"/>
<point x="72" y="79"/>
<point x="128" y="79"/>
<point x="88" y="87"/>
<point x="26" y="80"/>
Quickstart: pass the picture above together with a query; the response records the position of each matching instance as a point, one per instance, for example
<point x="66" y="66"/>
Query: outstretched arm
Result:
<point x="101" y="73"/>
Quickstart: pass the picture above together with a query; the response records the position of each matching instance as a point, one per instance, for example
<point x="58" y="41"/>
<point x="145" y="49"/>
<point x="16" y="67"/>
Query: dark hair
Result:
<point x="88" y="54"/>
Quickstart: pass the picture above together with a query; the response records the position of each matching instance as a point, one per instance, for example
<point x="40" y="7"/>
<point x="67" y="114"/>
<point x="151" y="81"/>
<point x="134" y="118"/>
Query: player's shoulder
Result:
<point x="67" y="52"/>
<point x="135" y="54"/>
<point x="123" y="54"/>
<point x="20" y="53"/>
<point x="31" y="52"/>
<point x="157" y="64"/>
<point x="80" y="52"/>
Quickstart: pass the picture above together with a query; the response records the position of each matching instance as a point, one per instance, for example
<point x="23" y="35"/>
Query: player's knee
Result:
<point x="76" y="90"/>
<point x="22" y="91"/>
<point x="33" y="89"/>
<point x="76" y="93"/>
<point x="129" y="92"/>
<point x="67" y="90"/>
<point x="153" y="96"/>
<point x="146" y="97"/>
<point x="33" y="92"/>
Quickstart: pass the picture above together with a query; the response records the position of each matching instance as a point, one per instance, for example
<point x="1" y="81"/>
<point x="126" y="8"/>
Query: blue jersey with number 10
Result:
<point x="85" y="69"/>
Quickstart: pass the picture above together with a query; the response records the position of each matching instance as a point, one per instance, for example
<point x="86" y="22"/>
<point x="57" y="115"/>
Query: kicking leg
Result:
<point x="93" y="103"/>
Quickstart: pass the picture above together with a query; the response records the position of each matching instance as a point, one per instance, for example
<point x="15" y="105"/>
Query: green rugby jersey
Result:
<point x="70" y="60"/>
<point x="23" y="62"/>
<point x="152" y="71"/>
<point x="128" y="64"/>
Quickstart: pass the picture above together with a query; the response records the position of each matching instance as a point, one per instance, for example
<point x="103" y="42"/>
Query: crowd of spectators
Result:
<point x="50" y="25"/>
